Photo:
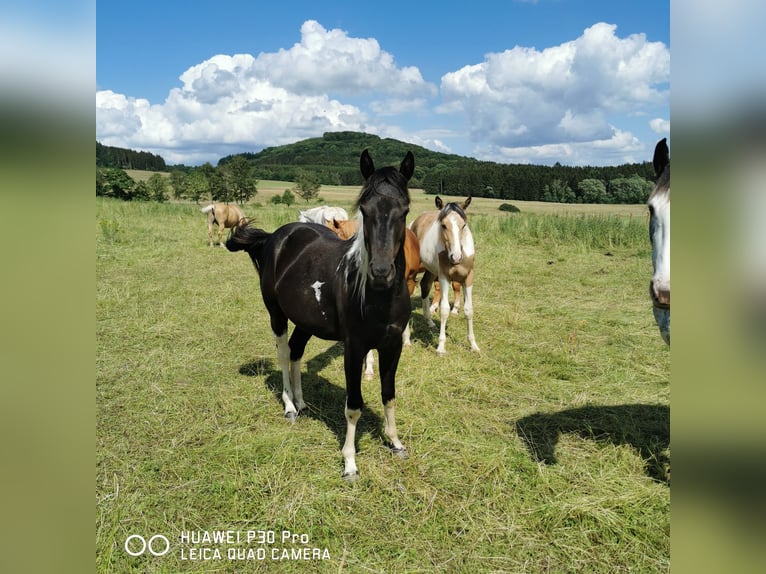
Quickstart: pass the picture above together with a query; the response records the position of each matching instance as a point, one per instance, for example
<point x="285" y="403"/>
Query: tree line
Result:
<point x="333" y="159"/>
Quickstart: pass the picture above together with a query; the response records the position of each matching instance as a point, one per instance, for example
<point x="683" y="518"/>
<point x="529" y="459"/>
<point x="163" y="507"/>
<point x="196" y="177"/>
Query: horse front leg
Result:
<point x="220" y="234"/>
<point x="468" y="311"/>
<point x="388" y="359"/>
<point x="352" y="363"/>
<point x="443" y="314"/>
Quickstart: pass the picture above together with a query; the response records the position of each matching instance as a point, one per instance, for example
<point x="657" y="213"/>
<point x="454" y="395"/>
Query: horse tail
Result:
<point x="250" y="239"/>
<point x="208" y="208"/>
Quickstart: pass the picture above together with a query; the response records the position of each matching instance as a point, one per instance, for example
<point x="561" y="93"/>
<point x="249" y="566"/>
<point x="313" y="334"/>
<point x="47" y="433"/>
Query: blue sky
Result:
<point x="578" y="82"/>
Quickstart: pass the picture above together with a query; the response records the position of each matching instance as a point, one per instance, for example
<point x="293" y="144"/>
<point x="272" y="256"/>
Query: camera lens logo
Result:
<point x="141" y="545"/>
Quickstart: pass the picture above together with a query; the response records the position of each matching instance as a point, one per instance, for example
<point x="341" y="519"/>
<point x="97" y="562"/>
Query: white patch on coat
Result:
<point x="317" y="287"/>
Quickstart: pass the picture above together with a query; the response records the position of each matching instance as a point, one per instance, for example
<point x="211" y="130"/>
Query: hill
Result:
<point x="334" y="158"/>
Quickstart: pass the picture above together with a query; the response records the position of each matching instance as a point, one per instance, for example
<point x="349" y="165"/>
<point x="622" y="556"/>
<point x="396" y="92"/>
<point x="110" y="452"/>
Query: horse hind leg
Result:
<point x="221" y="227"/>
<point x="283" y="356"/>
<point x="369" y="361"/>
<point x="425" y="287"/>
<point x="456" y="289"/>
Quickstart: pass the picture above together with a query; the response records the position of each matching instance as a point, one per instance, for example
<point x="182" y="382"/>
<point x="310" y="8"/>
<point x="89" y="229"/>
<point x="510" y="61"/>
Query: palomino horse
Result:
<point x="323" y="215"/>
<point x="659" y="234"/>
<point x="346" y="229"/>
<point x="350" y="291"/>
<point x="225" y="215"/>
<point x="447" y="252"/>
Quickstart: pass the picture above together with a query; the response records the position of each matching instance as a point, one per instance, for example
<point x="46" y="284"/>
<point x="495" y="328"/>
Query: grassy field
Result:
<point x="546" y="452"/>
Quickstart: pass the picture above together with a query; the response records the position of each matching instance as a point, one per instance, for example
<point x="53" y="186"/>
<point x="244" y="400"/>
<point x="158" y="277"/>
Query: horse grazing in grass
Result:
<point x="659" y="235"/>
<point x="350" y="291"/>
<point x="225" y="215"/>
<point x="323" y="215"/>
<point x="447" y="252"/>
<point x="346" y="229"/>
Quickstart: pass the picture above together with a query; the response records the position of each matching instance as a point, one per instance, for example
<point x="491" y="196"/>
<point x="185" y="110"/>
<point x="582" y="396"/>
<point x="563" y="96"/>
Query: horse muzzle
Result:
<point x="382" y="276"/>
<point x="660" y="294"/>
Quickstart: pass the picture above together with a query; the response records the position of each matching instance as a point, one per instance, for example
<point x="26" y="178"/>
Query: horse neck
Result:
<point x="466" y="242"/>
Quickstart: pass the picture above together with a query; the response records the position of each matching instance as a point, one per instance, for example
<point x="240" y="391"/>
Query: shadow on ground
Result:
<point x="646" y="428"/>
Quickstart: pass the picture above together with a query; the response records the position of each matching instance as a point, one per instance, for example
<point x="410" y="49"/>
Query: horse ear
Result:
<point x="407" y="168"/>
<point x="439" y="203"/>
<point x="335" y="223"/>
<point x="366" y="165"/>
<point x="466" y="203"/>
<point x="661" y="156"/>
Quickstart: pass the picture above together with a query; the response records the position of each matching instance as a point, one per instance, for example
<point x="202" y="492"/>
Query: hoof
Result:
<point x="350" y="477"/>
<point x="292" y="417"/>
<point x="400" y="452"/>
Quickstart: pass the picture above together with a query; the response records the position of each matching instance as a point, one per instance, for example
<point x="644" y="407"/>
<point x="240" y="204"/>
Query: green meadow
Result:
<point x="548" y="451"/>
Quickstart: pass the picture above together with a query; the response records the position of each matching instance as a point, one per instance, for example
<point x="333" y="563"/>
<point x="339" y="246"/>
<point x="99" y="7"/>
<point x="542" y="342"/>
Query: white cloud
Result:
<point x="660" y="126"/>
<point x="620" y="147"/>
<point x="564" y="95"/>
<point x="234" y="103"/>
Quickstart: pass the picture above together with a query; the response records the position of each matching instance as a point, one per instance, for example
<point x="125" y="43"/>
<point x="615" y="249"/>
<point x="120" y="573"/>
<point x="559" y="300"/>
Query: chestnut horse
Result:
<point x="350" y="291"/>
<point x="225" y="215"/>
<point x="447" y="252"/>
<point x="346" y="229"/>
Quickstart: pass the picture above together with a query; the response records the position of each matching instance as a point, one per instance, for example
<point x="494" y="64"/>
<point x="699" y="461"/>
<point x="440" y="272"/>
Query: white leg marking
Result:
<point x="468" y="308"/>
<point x="406" y="334"/>
<point x="427" y="312"/>
<point x="390" y="429"/>
<point x="444" y="315"/>
<point x="349" y="451"/>
<point x="283" y="355"/>
<point x="368" y="362"/>
<point x="295" y="377"/>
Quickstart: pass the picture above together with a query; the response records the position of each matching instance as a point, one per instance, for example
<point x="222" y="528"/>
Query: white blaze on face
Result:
<point x="317" y="287"/>
<point x="453" y="226"/>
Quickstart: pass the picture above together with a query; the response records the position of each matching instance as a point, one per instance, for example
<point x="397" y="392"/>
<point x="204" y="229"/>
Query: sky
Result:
<point x="579" y="82"/>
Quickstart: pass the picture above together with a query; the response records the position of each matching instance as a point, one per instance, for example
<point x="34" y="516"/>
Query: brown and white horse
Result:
<point x="447" y="252"/>
<point x="346" y="229"/>
<point x="659" y="235"/>
<point x="225" y="215"/>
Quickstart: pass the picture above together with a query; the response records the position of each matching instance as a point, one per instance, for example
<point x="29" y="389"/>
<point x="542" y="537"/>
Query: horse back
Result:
<point x="302" y="277"/>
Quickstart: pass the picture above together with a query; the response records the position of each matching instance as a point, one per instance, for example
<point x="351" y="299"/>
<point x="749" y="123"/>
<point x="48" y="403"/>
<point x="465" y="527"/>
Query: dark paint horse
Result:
<point x="350" y="291"/>
<point x="659" y="235"/>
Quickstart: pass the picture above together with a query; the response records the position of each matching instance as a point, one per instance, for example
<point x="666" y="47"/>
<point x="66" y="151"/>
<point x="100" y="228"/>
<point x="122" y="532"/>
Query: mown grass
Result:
<point x="546" y="452"/>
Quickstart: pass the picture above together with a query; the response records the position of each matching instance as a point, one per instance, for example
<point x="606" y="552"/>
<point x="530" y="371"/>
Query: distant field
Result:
<point x="344" y="196"/>
<point x="546" y="452"/>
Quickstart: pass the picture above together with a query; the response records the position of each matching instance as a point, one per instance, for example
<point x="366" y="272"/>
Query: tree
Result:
<point x="592" y="191"/>
<point x="197" y="186"/>
<point x="216" y="185"/>
<point x="179" y="182"/>
<point x="288" y="198"/>
<point x="558" y="191"/>
<point x="307" y="185"/>
<point x="114" y="182"/>
<point x="240" y="179"/>
<point x="157" y="187"/>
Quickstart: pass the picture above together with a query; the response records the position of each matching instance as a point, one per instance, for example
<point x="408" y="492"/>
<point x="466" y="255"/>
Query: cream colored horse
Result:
<point x="225" y="215"/>
<point x="447" y="253"/>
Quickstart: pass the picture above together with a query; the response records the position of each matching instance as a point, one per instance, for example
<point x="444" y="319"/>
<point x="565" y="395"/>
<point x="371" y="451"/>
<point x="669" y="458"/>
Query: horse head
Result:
<point x="453" y="221"/>
<point x="382" y="208"/>
<point x="659" y="235"/>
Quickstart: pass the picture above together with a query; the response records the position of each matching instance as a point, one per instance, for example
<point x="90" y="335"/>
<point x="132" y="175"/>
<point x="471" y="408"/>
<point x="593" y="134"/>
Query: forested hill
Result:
<point x="334" y="159"/>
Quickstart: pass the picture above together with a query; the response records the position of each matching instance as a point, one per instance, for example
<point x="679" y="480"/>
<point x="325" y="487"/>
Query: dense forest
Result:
<point x="333" y="159"/>
<point x="108" y="156"/>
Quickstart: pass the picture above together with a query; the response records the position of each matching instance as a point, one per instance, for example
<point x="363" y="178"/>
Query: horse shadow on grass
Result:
<point x="325" y="401"/>
<point x="646" y="428"/>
